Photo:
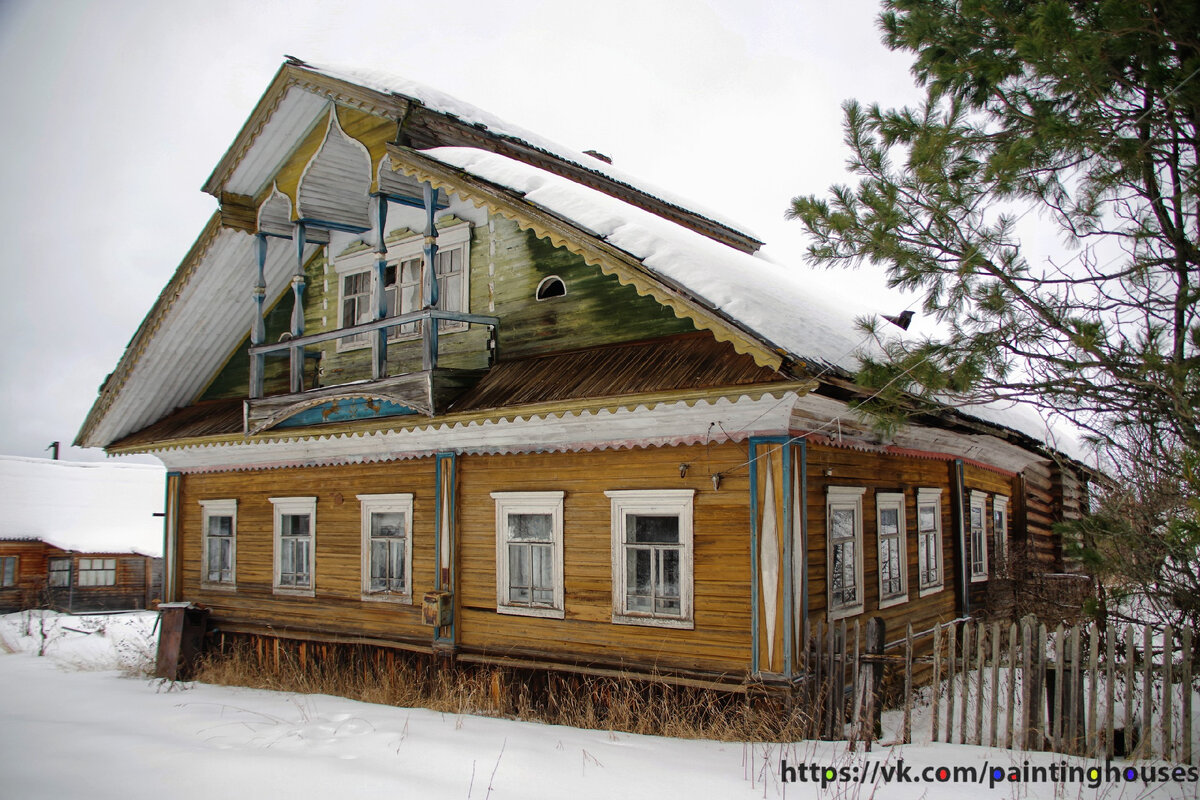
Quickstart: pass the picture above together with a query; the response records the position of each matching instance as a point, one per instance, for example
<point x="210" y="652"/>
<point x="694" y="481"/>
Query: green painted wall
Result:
<point x="507" y="264"/>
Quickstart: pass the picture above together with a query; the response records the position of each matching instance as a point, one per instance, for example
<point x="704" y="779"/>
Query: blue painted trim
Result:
<point x="755" y="535"/>
<point x="345" y="410"/>
<point x="754" y="644"/>
<point x="440" y="201"/>
<point x="324" y="224"/>
<point x="803" y="546"/>
<point x="789" y="604"/>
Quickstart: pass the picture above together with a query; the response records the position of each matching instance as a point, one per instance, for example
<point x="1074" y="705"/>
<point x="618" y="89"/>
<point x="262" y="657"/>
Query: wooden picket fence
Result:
<point x="1121" y="691"/>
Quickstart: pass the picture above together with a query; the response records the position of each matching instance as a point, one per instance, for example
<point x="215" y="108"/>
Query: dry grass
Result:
<point x="618" y="704"/>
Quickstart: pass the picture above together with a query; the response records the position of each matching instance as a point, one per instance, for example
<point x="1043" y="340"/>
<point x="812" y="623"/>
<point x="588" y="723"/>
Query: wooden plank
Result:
<point x="951" y="671"/>
<point x="1145" y="749"/>
<point x="937" y="684"/>
<point x="1060" y="677"/>
<point x="1109" y="689"/>
<point x="995" y="701"/>
<point x="964" y="735"/>
<point x="1074" y="723"/>
<point x="1038" y="690"/>
<point x="1185" y="680"/>
<point x="1009" y="710"/>
<point x="1026" y="681"/>
<point x="1093" y="691"/>
<point x="1129" y="690"/>
<point x="818" y="688"/>
<point x="856" y="697"/>
<point x="1168" y="657"/>
<point x="906" y="729"/>
<point x="981" y="631"/>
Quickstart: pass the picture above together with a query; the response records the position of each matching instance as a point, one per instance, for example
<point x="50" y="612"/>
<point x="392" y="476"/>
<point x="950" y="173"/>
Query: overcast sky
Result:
<point x="117" y="111"/>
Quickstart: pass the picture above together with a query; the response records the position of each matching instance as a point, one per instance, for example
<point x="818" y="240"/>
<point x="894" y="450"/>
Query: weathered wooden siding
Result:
<point x="833" y="466"/>
<point x="720" y="640"/>
<point x="133" y="588"/>
<point x="1042" y="550"/>
<point x="993" y="595"/>
<point x="337" y="606"/>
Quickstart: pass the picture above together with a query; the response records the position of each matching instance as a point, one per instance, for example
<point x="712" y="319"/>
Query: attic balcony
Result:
<point x="427" y="391"/>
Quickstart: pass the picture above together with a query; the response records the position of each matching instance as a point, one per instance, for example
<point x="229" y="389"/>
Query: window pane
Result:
<point x="841" y="523"/>
<point x="927" y="519"/>
<point x="889" y="521"/>
<point x="652" y="529"/>
<point x="396" y="565"/>
<point x="519" y="573"/>
<point x="220" y="526"/>
<point x="639" y="577"/>
<point x="531" y="526"/>
<point x="387" y="523"/>
<point x="379" y="563"/>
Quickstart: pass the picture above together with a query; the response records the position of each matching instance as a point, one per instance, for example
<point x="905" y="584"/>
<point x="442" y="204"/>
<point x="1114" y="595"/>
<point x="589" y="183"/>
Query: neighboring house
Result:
<point x="79" y="536"/>
<point x="418" y="350"/>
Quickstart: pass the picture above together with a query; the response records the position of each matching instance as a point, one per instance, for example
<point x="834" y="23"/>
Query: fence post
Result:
<point x="1056" y="702"/>
<point x="995" y="684"/>
<point x="1110" y="676"/>
<point x="1185" y="679"/>
<point x="1168" y="659"/>
<point x="1026" y="681"/>
<point x="937" y="682"/>
<point x="1093" y="691"/>
<point x="980" y="657"/>
<point x="1009" y="738"/>
<point x="876" y="634"/>
<point x="951" y="660"/>
<point x="906" y="736"/>
<point x="1129" y="655"/>
<point x="1146" y="746"/>
<point x="964" y="734"/>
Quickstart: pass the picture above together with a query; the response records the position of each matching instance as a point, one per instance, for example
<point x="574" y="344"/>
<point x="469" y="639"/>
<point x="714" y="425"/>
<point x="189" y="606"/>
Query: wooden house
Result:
<point x="431" y="383"/>
<point x="38" y="574"/>
<point x="79" y="536"/>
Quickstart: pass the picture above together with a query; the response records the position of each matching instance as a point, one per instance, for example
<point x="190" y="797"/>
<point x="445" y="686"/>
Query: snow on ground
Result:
<point x="74" y="724"/>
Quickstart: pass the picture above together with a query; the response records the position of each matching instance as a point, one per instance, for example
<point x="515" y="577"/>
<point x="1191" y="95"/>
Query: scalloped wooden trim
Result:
<point x="611" y="260"/>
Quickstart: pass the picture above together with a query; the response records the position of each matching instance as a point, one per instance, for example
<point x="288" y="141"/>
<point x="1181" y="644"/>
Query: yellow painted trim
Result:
<point x="690" y="397"/>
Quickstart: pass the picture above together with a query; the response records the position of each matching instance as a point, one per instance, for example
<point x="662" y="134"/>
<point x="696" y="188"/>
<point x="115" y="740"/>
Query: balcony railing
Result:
<point x="379" y="344"/>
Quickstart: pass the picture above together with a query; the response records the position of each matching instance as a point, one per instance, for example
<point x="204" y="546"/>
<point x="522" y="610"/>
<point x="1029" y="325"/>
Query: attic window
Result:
<point x="552" y="286"/>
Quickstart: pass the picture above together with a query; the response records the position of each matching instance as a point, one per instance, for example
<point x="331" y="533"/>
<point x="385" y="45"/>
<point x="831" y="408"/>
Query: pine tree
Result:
<point x="1084" y="116"/>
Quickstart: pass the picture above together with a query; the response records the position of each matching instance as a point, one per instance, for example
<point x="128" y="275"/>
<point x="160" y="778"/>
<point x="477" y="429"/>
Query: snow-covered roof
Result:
<point x="388" y="83"/>
<point x="90" y="507"/>
<point x="761" y="295"/>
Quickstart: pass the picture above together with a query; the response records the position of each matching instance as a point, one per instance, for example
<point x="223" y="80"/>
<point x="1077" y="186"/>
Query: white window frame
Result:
<point x="454" y="237"/>
<point x="383" y="504"/>
<point x="218" y="508"/>
<point x="88" y="574"/>
<point x="978" y="536"/>
<point x="892" y="501"/>
<point x="543" y="503"/>
<point x="659" y="502"/>
<point x="1000" y="509"/>
<point x="5" y="581"/>
<point x="295" y="506"/>
<point x="844" y="498"/>
<point x="930" y="497"/>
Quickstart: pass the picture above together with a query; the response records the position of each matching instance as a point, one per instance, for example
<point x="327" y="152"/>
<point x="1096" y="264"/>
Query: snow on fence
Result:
<point x="1117" y="691"/>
